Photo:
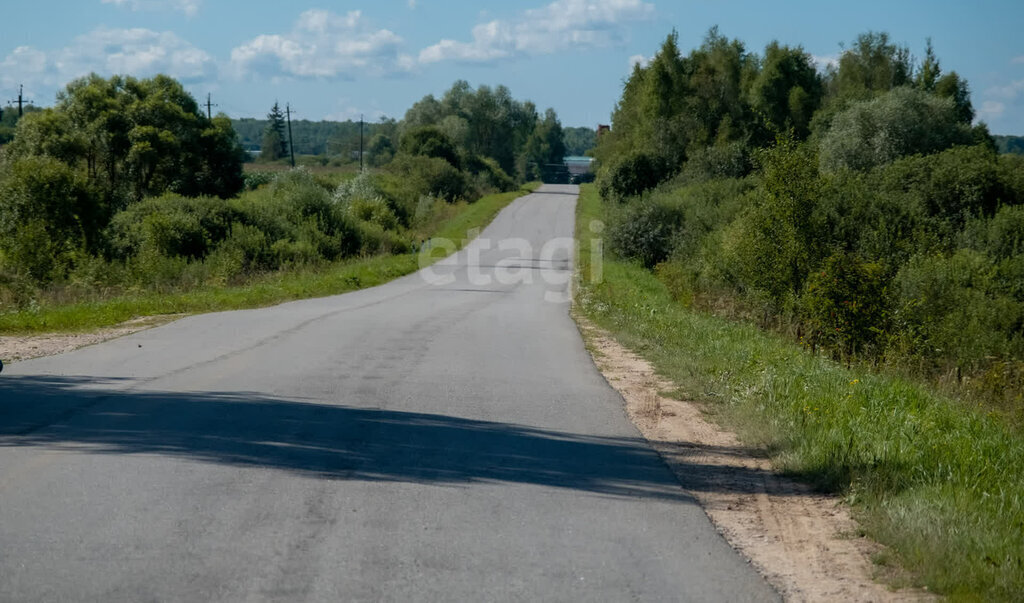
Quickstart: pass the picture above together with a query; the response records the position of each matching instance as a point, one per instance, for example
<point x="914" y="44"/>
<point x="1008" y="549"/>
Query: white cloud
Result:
<point x="1002" y="102"/>
<point x="561" y="25"/>
<point x="638" y="59"/>
<point x="189" y="7"/>
<point x="1017" y="60"/>
<point x="323" y="44"/>
<point x="412" y="4"/>
<point x="137" y="52"/>
<point x="28" y="66"/>
<point x="1009" y="91"/>
<point x="991" y="110"/>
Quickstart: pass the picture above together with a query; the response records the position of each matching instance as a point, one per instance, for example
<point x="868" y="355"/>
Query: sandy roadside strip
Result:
<point x="25" y="347"/>
<point x="802" y="542"/>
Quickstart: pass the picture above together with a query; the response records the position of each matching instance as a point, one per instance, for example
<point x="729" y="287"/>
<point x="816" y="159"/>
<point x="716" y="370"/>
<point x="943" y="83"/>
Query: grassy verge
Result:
<point x="261" y="290"/>
<point x="941" y="484"/>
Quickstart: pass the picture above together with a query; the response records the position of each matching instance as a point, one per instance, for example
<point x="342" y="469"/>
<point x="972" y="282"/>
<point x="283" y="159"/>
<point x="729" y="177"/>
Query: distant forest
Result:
<point x="1010" y="144"/>
<point x="342" y="137"/>
<point x="314" y="137"/>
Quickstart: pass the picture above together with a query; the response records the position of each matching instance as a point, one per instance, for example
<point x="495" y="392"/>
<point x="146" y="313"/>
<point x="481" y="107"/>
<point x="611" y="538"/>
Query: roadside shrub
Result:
<point x="378" y="241"/>
<point x="48" y="216"/>
<point x="429" y="141"/>
<point x="171" y="225"/>
<point x="631" y="175"/>
<point x="296" y="207"/>
<point x="374" y="210"/>
<point x="946" y="309"/>
<point x="772" y="245"/>
<point x="730" y="160"/>
<point x="844" y="305"/>
<point x="646" y="231"/>
<point x="410" y="176"/>
<point x="489" y="174"/>
<point x="363" y="186"/>
<point x="247" y="249"/>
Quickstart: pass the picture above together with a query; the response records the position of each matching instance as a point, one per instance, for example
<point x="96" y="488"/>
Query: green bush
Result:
<point x="952" y="185"/>
<point x="409" y="176"/>
<point x="730" y="160"/>
<point x="772" y="245"/>
<point x="646" y="231"/>
<point x="254" y="180"/>
<point x="901" y="122"/>
<point x="945" y="308"/>
<point x="171" y="225"/>
<point x="489" y="174"/>
<point x="378" y="241"/>
<point x="631" y="175"/>
<point x="48" y="217"/>
<point x="844" y="305"/>
<point x="429" y="141"/>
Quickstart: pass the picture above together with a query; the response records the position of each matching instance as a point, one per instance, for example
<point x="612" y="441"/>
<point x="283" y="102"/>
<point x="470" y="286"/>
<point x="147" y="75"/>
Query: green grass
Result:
<point x="940" y="483"/>
<point x="261" y="290"/>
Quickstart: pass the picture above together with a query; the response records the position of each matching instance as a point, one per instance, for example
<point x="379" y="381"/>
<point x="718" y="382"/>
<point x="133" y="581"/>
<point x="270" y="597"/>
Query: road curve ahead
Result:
<point x="442" y="437"/>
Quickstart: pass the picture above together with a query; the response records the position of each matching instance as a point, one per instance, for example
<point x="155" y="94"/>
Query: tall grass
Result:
<point x="941" y="484"/>
<point x="59" y="312"/>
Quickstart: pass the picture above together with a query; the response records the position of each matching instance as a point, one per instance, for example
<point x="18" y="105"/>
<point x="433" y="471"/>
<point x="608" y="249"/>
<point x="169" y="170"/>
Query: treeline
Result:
<point x="856" y="208"/>
<point x="1010" y="144"/>
<point x="125" y="184"/>
<point x="461" y="106"/>
<point x="579" y="141"/>
<point x="107" y="144"/>
<point x="9" y="120"/>
<point x="340" y="138"/>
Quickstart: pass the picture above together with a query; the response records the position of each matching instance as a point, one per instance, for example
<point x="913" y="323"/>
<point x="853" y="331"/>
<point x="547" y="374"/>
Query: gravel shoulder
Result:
<point x="14" y="348"/>
<point x="804" y="543"/>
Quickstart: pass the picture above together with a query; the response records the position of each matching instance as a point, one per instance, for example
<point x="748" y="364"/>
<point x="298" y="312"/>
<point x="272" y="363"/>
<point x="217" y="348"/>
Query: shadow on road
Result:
<point x="321" y="440"/>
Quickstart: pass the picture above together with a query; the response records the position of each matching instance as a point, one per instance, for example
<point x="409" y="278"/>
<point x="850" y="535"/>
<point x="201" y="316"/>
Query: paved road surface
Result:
<point x="444" y="440"/>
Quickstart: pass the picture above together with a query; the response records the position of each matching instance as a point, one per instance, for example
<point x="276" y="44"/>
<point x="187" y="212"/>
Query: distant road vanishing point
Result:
<point x="442" y="437"/>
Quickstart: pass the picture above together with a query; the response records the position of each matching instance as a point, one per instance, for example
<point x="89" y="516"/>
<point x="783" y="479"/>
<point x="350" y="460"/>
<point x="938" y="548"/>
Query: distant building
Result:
<point x="602" y="128"/>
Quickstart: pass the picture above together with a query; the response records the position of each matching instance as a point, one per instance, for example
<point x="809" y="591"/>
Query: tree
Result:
<point x="380" y="149"/>
<point x="578" y="141"/>
<point x="545" y="149"/>
<point x="485" y="122"/>
<point x="873" y="66"/>
<point x="275" y="144"/>
<point x="930" y="71"/>
<point x="430" y="141"/>
<point x="47" y="214"/>
<point x="902" y="122"/>
<point x="106" y="144"/>
<point x="953" y="87"/>
<point x="787" y="91"/>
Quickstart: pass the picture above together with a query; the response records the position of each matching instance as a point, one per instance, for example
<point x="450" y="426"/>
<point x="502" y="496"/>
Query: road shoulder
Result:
<point x="805" y="544"/>
<point x="14" y="348"/>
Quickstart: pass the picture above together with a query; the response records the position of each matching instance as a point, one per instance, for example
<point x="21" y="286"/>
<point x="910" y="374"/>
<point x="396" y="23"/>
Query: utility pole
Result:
<point x="20" y="100"/>
<point x="291" y="147"/>
<point x="209" y="114"/>
<point x="360" y="142"/>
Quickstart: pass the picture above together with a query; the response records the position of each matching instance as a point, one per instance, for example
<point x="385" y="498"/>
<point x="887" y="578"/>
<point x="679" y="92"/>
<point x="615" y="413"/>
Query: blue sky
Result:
<point x="336" y="60"/>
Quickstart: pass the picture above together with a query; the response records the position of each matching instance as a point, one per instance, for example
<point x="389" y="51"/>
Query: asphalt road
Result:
<point x="441" y="438"/>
